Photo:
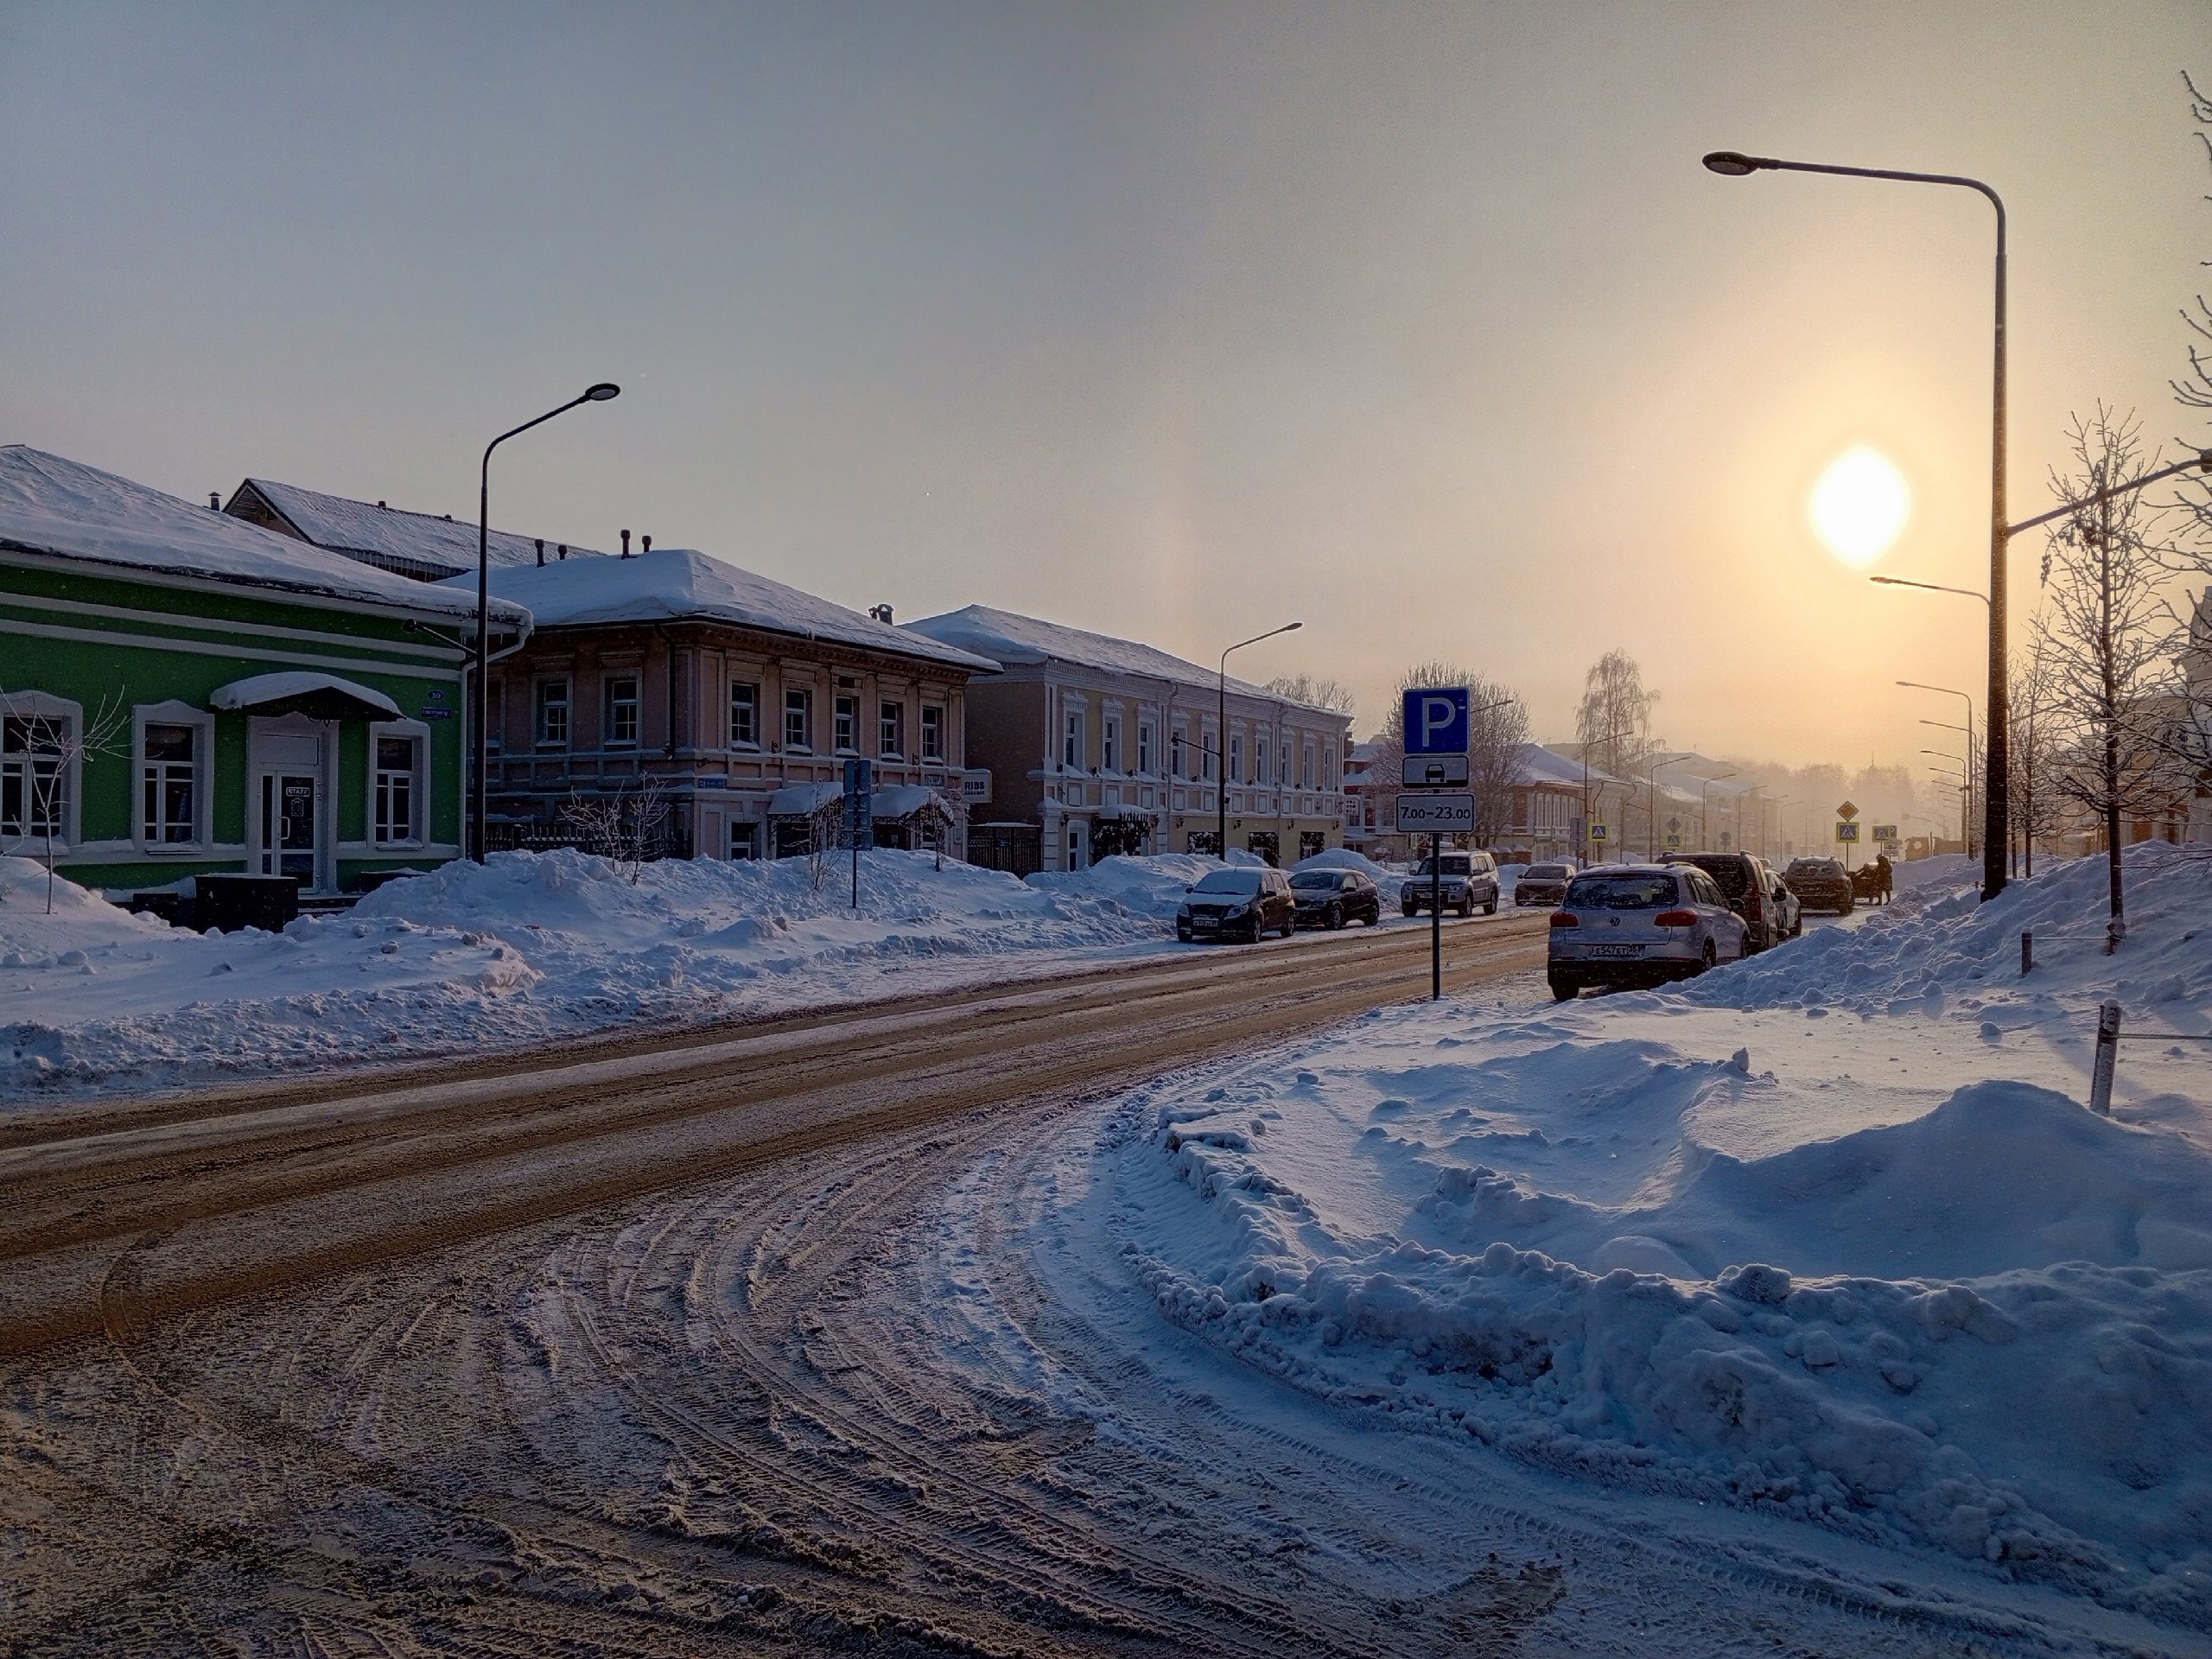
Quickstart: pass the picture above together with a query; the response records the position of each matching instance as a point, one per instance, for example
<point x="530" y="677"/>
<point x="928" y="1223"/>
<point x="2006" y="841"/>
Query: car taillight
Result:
<point x="1676" y="919"/>
<point x="1753" y="906"/>
<point x="1564" y="918"/>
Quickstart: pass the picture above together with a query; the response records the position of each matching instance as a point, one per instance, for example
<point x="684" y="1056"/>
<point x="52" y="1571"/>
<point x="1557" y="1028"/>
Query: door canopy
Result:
<point x="299" y="688"/>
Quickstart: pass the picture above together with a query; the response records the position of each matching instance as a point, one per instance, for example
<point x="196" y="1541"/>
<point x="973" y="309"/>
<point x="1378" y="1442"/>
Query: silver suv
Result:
<point x="1464" y="880"/>
<point x="1640" y="925"/>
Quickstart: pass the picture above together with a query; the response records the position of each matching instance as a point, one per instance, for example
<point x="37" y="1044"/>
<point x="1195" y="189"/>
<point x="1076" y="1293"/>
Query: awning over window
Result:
<point x="903" y="801"/>
<point x="803" y="800"/>
<point x="262" y="690"/>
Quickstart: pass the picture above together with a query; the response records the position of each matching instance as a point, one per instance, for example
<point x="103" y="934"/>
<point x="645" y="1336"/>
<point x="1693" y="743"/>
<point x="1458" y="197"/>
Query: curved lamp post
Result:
<point x="1651" y="823"/>
<point x="1705" y="810"/>
<point x="1221" y="733"/>
<point x="605" y="391"/>
<point x="1734" y="164"/>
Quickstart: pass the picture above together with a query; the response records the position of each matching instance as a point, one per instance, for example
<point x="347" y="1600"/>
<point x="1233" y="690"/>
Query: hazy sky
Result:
<point x="1418" y="322"/>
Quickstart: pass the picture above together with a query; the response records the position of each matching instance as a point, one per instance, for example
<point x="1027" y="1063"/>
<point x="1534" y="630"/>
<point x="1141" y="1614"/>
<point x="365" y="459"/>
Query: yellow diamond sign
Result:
<point x="1847" y="812"/>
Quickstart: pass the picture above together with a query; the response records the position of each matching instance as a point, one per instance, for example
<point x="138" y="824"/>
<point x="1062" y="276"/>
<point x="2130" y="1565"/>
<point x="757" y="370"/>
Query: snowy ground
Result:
<point x="530" y="947"/>
<point x="1827" y="1237"/>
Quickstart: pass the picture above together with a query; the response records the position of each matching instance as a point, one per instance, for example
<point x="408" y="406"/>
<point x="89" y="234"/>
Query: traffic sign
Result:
<point x="1435" y="771"/>
<point x="1434" y="815"/>
<point x="1601" y="832"/>
<point x="1674" y="823"/>
<point x="1436" y="720"/>
<point x="1846" y="830"/>
<point x="1885" y="832"/>
<point x="1847" y="812"/>
<point x="1673" y="843"/>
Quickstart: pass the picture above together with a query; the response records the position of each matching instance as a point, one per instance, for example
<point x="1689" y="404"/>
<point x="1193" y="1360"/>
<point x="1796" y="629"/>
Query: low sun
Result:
<point x="1860" y="505"/>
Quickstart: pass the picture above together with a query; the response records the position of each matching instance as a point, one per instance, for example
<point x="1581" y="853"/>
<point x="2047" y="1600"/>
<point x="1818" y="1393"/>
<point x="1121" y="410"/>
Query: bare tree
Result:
<point x="1612" y="723"/>
<point x="53" y="749"/>
<point x="1494" y="740"/>
<point x="2033" y="810"/>
<point x="625" y="828"/>
<point x="2112" y="641"/>
<point x="1316" y="693"/>
<point x="2189" y="733"/>
<point x="825" y="838"/>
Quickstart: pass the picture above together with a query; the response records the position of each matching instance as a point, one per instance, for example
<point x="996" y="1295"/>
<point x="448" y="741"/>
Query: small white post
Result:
<point x="2107" y="1057"/>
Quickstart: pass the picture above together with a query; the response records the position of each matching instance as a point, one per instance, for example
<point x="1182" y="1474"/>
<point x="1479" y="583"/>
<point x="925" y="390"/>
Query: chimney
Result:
<point x="565" y="549"/>
<point x="386" y="505"/>
<point x="214" y="500"/>
<point x="880" y="613"/>
<point x="541" y="552"/>
<point x="648" y="546"/>
<point x="625" y="544"/>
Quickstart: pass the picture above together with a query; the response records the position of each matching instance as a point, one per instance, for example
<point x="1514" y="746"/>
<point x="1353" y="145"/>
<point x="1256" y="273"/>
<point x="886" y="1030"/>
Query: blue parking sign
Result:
<point x="1436" y="721"/>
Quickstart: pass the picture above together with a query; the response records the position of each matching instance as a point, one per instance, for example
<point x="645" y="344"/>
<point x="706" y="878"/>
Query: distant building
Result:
<point x="423" y="546"/>
<point x="1543" y="816"/>
<point x="739" y="698"/>
<point x="275" y="708"/>
<point x="1096" y="745"/>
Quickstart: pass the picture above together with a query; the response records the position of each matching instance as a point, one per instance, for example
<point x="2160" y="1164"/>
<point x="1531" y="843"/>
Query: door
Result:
<point x="1078" y="843"/>
<point x="291" y="813"/>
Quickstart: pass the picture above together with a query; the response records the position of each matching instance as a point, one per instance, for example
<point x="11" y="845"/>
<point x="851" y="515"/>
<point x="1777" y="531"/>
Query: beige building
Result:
<point x="1096" y="745"/>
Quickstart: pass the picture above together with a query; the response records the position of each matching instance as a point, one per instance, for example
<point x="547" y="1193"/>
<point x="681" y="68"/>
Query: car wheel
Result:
<point x="1490" y="909"/>
<point x="1334" y="919"/>
<point x="1563" y="989"/>
<point x="1184" y="934"/>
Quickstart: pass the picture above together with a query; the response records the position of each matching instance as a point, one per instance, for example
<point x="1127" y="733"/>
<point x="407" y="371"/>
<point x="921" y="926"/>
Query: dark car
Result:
<point x="1461" y="881"/>
<point x="1237" y="904"/>
<point x="1544" y="884"/>
<point x="1820" y="884"/>
<point x="1333" y="897"/>
<point x="1746" y="882"/>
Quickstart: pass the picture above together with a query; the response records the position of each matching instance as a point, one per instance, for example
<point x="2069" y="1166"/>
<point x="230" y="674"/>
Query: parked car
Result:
<point x="1789" y="913"/>
<point x="1748" y="885"/>
<point x="1820" y="884"/>
<point x="1544" y="884"/>
<point x="1333" y="897"/>
<point x="1241" y="903"/>
<point x="1462" y="882"/>
<point x="1640" y="925"/>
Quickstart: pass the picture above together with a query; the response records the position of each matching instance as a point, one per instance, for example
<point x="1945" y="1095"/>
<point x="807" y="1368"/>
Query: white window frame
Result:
<point x="799" y="700"/>
<point x="202" y="723"/>
<point x="539" y="705"/>
<point x="636" y="679"/>
<point x="933" y="731"/>
<point x="1110" y="742"/>
<point x="1073" y="737"/>
<point x="417" y="731"/>
<point x="845" y="723"/>
<point x="40" y="705"/>
<point x="1145" y="739"/>
<point x="751" y="689"/>
<point x="891" y="729"/>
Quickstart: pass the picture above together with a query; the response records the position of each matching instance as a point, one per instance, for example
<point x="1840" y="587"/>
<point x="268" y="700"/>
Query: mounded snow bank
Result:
<point x="1858" y="1281"/>
<point x="524" y="947"/>
<point x="1150" y="886"/>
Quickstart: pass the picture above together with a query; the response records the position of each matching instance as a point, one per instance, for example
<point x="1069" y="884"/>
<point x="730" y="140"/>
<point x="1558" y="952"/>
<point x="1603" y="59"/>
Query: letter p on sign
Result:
<point x="1436" y="720"/>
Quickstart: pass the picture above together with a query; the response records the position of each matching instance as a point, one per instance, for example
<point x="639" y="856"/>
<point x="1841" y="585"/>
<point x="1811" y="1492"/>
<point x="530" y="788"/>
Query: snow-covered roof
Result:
<point x="673" y="583"/>
<point x="1538" y="764"/>
<point x="1573" y="765"/>
<point x="49" y="504"/>
<point x="419" y="542"/>
<point x="1028" y="641"/>
<point x="260" y="690"/>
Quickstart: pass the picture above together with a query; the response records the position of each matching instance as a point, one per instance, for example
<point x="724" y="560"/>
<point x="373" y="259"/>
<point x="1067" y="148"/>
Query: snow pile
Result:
<point x="1858" y="1281"/>
<point x="1151" y="887"/>
<point x="1344" y="858"/>
<point x="525" y="947"/>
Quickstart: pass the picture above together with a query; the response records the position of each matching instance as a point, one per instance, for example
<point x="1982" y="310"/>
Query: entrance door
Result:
<point x="292" y="809"/>
<point x="1078" y="843"/>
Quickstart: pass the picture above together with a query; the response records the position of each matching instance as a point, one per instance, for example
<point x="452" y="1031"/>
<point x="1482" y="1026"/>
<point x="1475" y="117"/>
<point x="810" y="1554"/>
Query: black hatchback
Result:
<point x="1333" y="898"/>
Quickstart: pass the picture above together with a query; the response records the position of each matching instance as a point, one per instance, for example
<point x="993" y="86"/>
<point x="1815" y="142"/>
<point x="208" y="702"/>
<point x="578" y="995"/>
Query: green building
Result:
<point x="184" y="693"/>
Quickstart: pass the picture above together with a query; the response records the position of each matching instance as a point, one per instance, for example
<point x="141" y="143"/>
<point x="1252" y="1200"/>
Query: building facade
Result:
<point x="1096" y="745"/>
<point x="727" y="703"/>
<point x="183" y="695"/>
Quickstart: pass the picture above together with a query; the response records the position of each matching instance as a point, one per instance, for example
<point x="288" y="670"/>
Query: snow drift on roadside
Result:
<point x="524" y="947"/>
<point x="1858" y="1281"/>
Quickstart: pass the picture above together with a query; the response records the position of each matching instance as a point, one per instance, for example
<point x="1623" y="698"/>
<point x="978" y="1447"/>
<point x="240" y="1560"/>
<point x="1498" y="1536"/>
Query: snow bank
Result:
<point x="1149" y="886"/>
<point x="1860" y="1280"/>
<point x="525" y="947"/>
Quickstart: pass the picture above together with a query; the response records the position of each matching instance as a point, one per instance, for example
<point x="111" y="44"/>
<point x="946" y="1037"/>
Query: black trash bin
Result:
<point x="226" y="903"/>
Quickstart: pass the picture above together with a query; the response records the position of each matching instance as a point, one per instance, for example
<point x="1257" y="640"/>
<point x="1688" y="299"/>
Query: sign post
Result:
<point x="1846" y="830"/>
<point x="1435" y="813"/>
<point x="1435" y="723"/>
<point x="860" y="814"/>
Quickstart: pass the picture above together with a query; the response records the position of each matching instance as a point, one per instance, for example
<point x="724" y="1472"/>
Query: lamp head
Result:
<point x="1733" y="163"/>
<point x="605" y="391"/>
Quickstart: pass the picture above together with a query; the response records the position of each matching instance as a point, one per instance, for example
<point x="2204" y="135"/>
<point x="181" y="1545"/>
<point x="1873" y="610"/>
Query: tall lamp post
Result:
<point x="1613" y="738"/>
<point x="1781" y="829"/>
<point x="1732" y="164"/>
<point x="1221" y="733"/>
<point x="1705" y="809"/>
<point x="1965" y="834"/>
<point x="1965" y="785"/>
<point x="605" y="391"/>
<point x="1651" y="777"/>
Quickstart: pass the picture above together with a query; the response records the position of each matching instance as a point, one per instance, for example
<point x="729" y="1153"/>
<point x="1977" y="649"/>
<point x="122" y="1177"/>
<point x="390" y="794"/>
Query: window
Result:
<point x="744" y="714"/>
<point x="399" y="764"/>
<point x="34" y="770"/>
<point x="1175" y="742"/>
<point x="745" y="841"/>
<point x="1237" y="757"/>
<point x="798" y="720"/>
<point x="1109" y="743"/>
<point x="1305" y="773"/>
<point x="890" y="729"/>
<point x="1282" y="771"/>
<point x="495" y="716"/>
<point x="622" y="712"/>
<point x="1144" y="748"/>
<point x="1208" y="753"/>
<point x="553" y="714"/>
<point x="1330" y="778"/>
<point x="1072" y="739"/>
<point x="169" y="805"/>
<point x="847" y="734"/>
<point x="1260" y="750"/>
<point x="933" y="734"/>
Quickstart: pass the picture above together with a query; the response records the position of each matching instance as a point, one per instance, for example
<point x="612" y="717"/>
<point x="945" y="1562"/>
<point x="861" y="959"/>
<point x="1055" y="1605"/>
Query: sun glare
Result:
<point x="1860" y="505"/>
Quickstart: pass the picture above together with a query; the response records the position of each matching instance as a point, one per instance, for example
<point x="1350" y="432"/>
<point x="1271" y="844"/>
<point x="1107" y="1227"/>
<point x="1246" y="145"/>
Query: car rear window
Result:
<point x="1319" y="879"/>
<point x="1246" y="883"/>
<point x="1814" y="866"/>
<point x="1543" y="872"/>
<point x="1729" y="874"/>
<point x="1458" y="865"/>
<point x="1620" y="892"/>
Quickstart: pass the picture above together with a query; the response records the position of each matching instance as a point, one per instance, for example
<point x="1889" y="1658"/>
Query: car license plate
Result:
<point x="1616" y="950"/>
<point x="1203" y="924"/>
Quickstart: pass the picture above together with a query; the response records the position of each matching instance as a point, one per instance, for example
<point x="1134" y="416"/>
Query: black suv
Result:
<point x="1748" y="885"/>
<point x="1239" y="903"/>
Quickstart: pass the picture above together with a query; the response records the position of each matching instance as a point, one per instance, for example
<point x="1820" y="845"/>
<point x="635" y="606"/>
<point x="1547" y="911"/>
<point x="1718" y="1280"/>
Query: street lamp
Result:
<point x="1613" y="737"/>
<point x="1705" y="809"/>
<point x="1966" y="820"/>
<point x="1221" y="732"/>
<point x="1651" y="824"/>
<point x="1780" y="830"/>
<point x="1734" y="164"/>
<point x="605" y="391"/>
<point x="1932" y="587"/>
